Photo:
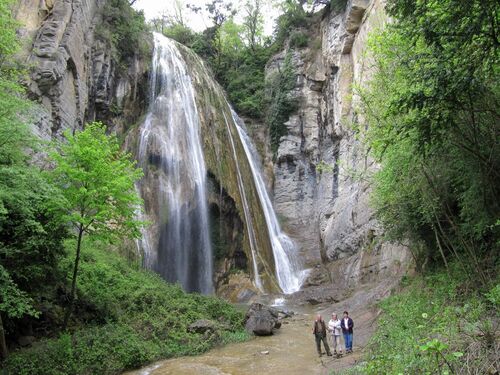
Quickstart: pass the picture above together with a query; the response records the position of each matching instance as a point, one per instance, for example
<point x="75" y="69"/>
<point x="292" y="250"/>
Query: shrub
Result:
<point x="124" y="29"/>
<point x="145" y="319"/>
<point x="299" y="39"/>
<point x="436" y="319"/>
<point x="280" y="104"/>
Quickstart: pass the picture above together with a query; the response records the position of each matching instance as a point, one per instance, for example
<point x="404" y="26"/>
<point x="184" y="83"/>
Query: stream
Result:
<point x="291" y="350"/>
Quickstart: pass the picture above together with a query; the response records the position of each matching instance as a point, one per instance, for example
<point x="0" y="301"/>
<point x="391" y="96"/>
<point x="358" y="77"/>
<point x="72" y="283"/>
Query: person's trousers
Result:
<point x="320" y="338"/>
<point x="336" y="344"/>
<point x="348" y="341"/>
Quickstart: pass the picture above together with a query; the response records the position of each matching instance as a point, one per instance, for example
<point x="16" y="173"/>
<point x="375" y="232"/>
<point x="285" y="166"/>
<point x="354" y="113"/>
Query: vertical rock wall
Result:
<point x="320" y="173"/>
<point x="73" y="75"/>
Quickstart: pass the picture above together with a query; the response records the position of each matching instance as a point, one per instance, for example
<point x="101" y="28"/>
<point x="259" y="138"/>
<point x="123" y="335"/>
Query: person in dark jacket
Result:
<point x="319" y="331"/>
<point x="347" y="325"/>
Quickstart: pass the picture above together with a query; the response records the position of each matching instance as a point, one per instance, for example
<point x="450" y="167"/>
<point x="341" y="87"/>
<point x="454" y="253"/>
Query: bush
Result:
<point x="293" y="17"/>
<point x="280" y="104"/>
<point x="436" y="319"/>
<point x="124" y="29"/>
<point x="145" y="319"/>
<point x="299" y="39"/>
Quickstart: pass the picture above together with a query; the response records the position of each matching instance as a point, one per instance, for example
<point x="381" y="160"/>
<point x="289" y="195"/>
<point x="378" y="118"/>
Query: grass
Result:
<point x="438" y="324"/>
<point x="132" y="317"/>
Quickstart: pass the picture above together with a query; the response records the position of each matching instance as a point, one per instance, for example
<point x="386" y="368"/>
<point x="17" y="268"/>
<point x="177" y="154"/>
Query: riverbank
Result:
<point x="125" y="317"/>
<point x="291" y="349"/>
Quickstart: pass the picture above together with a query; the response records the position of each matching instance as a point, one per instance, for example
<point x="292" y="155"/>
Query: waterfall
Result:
<point x="177" y="244"/>
<point x="171" y="156"/>
<point x="288" y="272"/>
<point x="246" y="211"/>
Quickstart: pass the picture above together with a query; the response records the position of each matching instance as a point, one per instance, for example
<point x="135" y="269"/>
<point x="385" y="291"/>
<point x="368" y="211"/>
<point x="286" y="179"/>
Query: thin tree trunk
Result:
<point x="441" y="249"/>
<point x="73" y="282"/>
<point x="4" y="352"/>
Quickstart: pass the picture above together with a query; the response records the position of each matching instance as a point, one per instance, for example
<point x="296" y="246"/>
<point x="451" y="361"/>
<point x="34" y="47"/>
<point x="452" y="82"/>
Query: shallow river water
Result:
<point x="291" y="350"/>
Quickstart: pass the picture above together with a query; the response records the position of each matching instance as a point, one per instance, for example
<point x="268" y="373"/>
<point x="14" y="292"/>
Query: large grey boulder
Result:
<point x="261" y="320"/>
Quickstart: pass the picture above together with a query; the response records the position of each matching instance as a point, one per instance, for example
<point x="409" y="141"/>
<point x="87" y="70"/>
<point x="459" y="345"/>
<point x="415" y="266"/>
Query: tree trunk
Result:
<point x="73" y="282"/>
<point x="4" y="352"/>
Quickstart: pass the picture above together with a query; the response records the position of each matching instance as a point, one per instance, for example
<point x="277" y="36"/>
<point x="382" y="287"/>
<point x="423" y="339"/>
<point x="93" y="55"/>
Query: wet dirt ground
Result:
<point x="291" y="350"/>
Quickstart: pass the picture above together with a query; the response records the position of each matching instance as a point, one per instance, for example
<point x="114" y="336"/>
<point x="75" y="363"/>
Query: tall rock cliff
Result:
<point x="73" y="74"/>
<point x="320" y="171"/>
<point x="320" y="190"/>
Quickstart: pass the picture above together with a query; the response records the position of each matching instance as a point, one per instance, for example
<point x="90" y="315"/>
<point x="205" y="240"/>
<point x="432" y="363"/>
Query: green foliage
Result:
<point x="323" y="167"/>
<point x="338" y="5"/>
<point x="97" y="183"/>
<point x="293" y="17"/>
<point x="435" y="319"/>
<point x="280" y="104"/>
<point x="124" y="29"/>
<point x="14" y="302"/>
<point x="30" y="234"/>
<point x="298" y="39"/>
<point x="493" y="296"/>
<point x="432" y="107"/>
<point x="145" y="319"/>
<point x="14" y="135"/>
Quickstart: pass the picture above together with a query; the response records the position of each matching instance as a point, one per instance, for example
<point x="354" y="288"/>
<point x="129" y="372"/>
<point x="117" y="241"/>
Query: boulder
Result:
<point x="261" y="320"/>
<point x="202" y="326"/>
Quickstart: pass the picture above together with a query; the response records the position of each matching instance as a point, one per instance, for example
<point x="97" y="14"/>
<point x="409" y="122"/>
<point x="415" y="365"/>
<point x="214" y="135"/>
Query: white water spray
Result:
<point x="290" y="276"/>
<point x="171" y="155"/>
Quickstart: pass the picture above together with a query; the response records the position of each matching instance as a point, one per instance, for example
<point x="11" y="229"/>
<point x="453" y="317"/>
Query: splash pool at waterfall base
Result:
<point x="290" y="350"/>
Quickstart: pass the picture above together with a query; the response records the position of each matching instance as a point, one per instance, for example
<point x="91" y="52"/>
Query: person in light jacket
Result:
<point x="335" y="329"/>
<point x="347" y="329"/>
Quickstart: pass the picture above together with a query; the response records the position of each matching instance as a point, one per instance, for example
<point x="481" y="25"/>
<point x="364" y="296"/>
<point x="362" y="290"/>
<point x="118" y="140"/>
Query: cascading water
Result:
<point x="288" y="272"/>
<point x="177" y="243"/>
<point x="246" y="211"/>
<point x="171" y="155"/>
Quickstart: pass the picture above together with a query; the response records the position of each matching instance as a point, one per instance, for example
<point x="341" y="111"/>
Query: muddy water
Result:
<point x="291" y="350"/>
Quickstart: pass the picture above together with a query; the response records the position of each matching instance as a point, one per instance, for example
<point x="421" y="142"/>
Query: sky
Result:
<point x="153" y="8"/>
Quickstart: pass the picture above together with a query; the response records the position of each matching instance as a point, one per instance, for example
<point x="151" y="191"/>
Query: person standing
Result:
<point x="347" y="329"/>
<point x="335" y="329"/>
<point x="319" y="331"/>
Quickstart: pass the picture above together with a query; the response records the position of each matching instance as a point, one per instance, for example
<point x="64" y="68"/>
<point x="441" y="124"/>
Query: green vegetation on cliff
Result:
<point x="440" y="323"/>
<point x="124" y="317"/>
<point x="434" y="127"/>
<point x="432" y="110"/>
<point x="238" y="53"/>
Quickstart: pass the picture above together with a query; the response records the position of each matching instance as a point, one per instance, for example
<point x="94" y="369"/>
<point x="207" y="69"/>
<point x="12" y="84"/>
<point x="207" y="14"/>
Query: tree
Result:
<point x="432" y="107"/>
<point x="30" y="237"/>
<point x="218" y="12"/>
<point x="253" y="22"/>
<point x="97" y="183"/>
<point x="15" y="303"/>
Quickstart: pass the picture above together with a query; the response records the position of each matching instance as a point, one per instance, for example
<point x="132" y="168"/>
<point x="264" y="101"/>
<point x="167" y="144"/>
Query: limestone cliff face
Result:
<point x="73" y="75"/>
<point x="320" y="185"/>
